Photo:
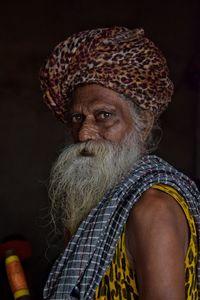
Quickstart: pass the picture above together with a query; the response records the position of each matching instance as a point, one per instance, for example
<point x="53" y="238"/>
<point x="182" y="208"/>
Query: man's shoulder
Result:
<point x="153" y="204"/>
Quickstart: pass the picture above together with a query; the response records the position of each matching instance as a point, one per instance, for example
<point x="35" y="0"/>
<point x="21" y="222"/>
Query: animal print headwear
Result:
<point x="117" y="58"/>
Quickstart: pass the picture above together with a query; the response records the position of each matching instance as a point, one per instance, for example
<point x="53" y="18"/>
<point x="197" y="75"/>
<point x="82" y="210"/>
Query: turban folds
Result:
<point x="117" y="58"/>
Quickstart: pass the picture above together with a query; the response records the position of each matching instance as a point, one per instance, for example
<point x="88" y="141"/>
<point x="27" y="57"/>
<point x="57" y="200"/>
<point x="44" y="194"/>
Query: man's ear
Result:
<point x="148" y="124"/>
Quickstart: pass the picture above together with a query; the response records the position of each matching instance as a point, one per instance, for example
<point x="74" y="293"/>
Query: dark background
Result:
<point x="30" y="136"/>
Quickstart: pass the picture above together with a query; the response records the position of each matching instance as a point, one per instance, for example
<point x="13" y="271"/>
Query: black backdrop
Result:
<point x="30" y="136"/>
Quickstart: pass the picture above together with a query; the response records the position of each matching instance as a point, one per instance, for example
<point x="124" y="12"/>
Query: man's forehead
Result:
<point x="97" y="96"/>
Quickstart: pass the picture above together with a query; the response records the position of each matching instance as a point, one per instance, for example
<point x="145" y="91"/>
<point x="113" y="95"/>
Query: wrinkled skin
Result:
<point x="99" y="114"/>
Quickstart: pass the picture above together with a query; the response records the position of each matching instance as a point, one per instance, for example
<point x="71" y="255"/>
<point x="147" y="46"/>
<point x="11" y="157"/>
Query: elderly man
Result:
<point x="134" y="219"/>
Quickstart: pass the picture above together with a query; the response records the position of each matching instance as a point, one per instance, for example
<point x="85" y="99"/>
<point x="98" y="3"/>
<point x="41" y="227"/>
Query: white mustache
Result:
<point x="82" y="175"/>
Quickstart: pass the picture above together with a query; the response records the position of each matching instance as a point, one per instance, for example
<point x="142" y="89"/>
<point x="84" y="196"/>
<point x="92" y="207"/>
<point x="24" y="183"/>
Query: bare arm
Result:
<point x="156" y="242"/>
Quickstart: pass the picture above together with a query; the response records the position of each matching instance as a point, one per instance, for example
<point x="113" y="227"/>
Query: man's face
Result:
<point x="106" y="147"/>
<point x="99" y="114"/>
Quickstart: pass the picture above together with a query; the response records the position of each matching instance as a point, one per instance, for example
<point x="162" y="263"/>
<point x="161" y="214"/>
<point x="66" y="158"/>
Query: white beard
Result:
<point x="79" y="181"/>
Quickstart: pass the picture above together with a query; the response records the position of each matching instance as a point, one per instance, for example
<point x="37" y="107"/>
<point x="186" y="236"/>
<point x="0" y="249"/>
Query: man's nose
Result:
<point x="88" y="131"/>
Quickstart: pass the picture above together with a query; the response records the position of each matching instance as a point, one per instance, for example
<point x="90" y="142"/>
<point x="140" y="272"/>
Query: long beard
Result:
<point x="83" y="173"/>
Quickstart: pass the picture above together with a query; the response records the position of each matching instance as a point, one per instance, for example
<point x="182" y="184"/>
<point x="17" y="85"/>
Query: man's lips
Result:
<point x="85" y="152"/>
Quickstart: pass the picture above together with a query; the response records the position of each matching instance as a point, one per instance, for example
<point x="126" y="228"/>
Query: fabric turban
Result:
<point x="117" y="58"/>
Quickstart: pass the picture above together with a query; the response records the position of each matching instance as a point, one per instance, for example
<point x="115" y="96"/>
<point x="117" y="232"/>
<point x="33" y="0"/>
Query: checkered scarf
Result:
<point x="78" y="271"/>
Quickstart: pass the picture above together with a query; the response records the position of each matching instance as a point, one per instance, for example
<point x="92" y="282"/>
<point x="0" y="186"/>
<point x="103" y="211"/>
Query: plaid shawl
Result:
<point x="78" y="271"/>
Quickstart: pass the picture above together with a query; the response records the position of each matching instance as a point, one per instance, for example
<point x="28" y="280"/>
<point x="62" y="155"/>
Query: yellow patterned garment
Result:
<point x="119" y="281"/>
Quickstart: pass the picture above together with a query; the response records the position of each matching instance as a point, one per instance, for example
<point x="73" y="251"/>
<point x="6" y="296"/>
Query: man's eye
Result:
<point x="76" y="118"/>
<point x="103" y="115"/>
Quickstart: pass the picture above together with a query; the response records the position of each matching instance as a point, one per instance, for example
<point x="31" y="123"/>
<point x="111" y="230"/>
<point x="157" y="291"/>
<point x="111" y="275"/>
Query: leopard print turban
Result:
<point x="118" y="58"/>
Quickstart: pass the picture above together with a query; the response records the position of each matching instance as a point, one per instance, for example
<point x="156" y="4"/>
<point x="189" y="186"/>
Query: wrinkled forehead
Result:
<point x="94" y="97"/>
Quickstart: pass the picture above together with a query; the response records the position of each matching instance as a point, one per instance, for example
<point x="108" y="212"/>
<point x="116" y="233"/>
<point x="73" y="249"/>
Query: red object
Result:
<point x="22" y="248"/>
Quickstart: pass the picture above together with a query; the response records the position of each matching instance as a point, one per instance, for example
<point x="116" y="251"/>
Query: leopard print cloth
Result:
<point x="118" y="58"/>
<point x="119" y="282"/>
